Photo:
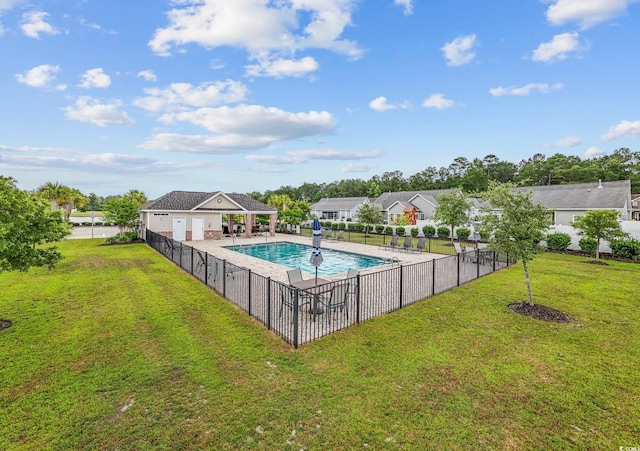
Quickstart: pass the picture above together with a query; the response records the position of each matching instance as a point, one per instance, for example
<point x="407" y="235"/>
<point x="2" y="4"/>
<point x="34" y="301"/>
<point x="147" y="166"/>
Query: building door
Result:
<point x="179" y="228"/>
<point x="197" y="229"/>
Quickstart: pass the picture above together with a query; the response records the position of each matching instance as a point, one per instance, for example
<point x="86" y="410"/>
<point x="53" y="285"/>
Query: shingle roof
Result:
<point x="582" y="195"/>
<point x="387" y="199"/>
<point x="188" y="200"/>
<point x="338" y="203"/>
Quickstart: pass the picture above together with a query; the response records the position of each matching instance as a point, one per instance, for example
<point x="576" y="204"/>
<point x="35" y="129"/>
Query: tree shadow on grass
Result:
<point x="4" y="324"/>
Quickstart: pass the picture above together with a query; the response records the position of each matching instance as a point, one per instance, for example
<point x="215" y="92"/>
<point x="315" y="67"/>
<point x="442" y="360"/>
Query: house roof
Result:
<point x="190" y="200"/>
<point x="387" y="199"/>
<point x="339" y="203"/>
<point x="585" y="196"/>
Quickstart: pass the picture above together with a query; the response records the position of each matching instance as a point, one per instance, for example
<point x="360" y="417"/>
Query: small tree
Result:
<point x="122" y="211"/>
<point x="519" y="226"/>
<point x="452" y="209"/>
<point x="26" y="223"/>
<point x="599" y="225"/>
<point x="368" y="215"/>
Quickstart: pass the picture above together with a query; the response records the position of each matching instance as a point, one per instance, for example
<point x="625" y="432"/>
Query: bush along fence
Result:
<point x="301" y="316"/>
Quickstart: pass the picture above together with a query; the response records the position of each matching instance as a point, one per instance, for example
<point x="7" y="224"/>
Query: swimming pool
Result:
<point x="295" y="255"/>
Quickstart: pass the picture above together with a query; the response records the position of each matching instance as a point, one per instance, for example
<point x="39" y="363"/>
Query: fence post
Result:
<point x="224" y="279"/>
<point x="295" y="319"/>
<point x="191" y="260"/>
<point x="358" y="299"/>
<point x="269" y="303"/>
<point x="477" y="263"/>
<point x="249" y="292"/>
<point x="433" y="278"/>
<point x="172" y="246"/>
<point x="181" y="256"/>
<point x="401" y="285"/>
<point x="206" y="268"/>
<point x="458" y="282"/>
<point x="494" y="258"/>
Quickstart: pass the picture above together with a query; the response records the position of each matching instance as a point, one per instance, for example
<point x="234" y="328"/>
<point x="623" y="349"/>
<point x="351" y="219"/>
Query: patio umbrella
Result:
<point x="316" y="256"/>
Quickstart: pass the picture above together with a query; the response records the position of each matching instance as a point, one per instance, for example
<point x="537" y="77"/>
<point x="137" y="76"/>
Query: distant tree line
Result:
<point x="474" y="176"/>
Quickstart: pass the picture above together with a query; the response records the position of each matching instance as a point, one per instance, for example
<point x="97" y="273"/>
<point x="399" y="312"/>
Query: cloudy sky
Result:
<point x="244" y="95"/>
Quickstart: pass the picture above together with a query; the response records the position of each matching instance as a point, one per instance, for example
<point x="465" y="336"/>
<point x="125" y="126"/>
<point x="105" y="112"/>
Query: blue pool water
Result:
<point x="295" y="255"/>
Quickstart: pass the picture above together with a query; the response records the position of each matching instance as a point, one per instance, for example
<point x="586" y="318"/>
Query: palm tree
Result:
<point x="62" y="197"/>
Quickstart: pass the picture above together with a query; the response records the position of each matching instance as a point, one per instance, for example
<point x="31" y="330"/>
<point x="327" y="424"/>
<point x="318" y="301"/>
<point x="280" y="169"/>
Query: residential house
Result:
<point x="188" y="215"/>
<point x="635" y="207"/>
<point x="392" y="205"/>
<point x="573" y="200"/>
<point x="338" y="208"/>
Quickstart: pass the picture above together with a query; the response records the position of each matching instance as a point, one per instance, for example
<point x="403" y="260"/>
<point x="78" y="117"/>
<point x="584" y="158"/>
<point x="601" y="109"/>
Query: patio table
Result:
<point x="315" y="287"/>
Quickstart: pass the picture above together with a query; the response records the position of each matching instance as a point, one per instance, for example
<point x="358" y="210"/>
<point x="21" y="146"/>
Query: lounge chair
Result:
<point x="392" y="244"/>
<point x="421" y="246"/>
<point x="457" y="247"/>
<point x="340" y="234"/>
<point x="407" y="243"/>
<point x="337" y="299"/>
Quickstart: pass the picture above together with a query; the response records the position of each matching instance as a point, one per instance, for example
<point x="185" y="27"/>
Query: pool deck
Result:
<point x="279" y="273"/>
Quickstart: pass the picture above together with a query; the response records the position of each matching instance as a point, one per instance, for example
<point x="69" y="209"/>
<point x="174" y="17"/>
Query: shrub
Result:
<point x="484" y="235"/>
<point x="559" y="241"/>
<point x="388" y="230"/>
<point x="126" y="237"/>
<point x="400" y="231"/>
<point x="414" y="231"/>
<point x="588" y="245"/>
<point x="429" y="231"/>
<point x="463" y="234"/>
<point x="342" y="226"/>
<point x="443" y="232"/>
<point x="625" y="248"/>
<point x="379" y="228"/>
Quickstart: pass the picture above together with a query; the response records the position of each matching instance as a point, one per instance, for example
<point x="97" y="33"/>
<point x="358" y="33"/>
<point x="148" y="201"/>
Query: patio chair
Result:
<point x="457" y="247"/>
<point x="340" y="235"/>
<point x="392" y="244"/>
<point x="421" y="246"/>
<point x="469" y="253"/>
<point x="327" y="234"/>
<point x="352" y="280"/>
<point x="294" y="275"/>
<point x="337" y="299"/>
<point x="288" y="299"/>
<point x="407" y="243"/>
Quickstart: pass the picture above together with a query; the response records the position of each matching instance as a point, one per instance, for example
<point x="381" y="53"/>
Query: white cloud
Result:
<point x="33" y="24"/>
<point x="624" y="129"/>
<point x="558" y="49"/>
<point x="592" y="152"/>
<point x="524" y="90"/>
<point x="407" y="5"/>
<point x="205" y="144"/>
<point x="178" y="96"/>
<point x="357" y="167"/>
<point x="304" y="156"/>
<point x="279" y="68"/>
<point x="460" y="51"/>
<point x="257" y="121"/>
<point x="2" y="30"/>
<point x="39" y="76"/>
<point x="438" y="101"/>
<point x="148" y="75"/>
<point x="6" y="5"/>
<point x="567" y="141"/>
<point x="380" y="104"/>
<point x="95" y="78"/>
<point x="587" y="13"/>
<point x="277" y="29"/>
<point x="101" y="114"/>
<point x="96" y="163"/>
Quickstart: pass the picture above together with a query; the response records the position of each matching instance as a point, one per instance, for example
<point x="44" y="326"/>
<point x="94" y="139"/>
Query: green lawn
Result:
<point x="118" y="349"/>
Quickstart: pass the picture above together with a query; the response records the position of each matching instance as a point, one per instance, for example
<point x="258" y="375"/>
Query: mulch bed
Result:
<point x="541" y="312"/>
<point x="4" y="324"/>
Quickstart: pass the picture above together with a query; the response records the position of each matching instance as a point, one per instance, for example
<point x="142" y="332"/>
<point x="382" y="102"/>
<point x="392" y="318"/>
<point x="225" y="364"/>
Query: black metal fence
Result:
<point x="301" y="316"/>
